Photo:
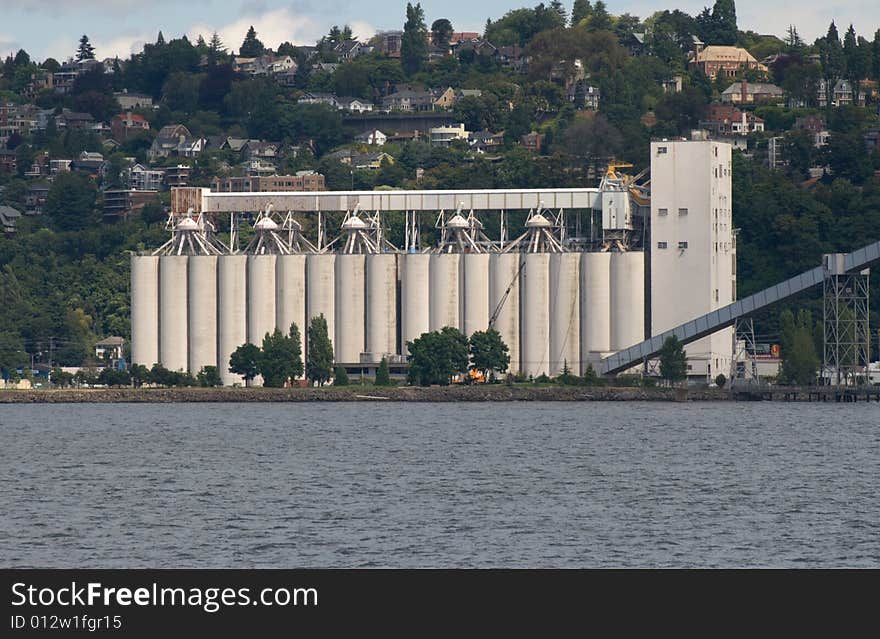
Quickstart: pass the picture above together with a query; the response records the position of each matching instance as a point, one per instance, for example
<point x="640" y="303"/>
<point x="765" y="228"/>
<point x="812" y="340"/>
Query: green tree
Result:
<point x="800" y="362"/>
<point x="209" y="377"/>
<point x="70" y="203"/>
<point x="414" y="46"/>
<point x="488" y="352"/>
<point x="673" y="361"/>
<point x="319" y="357"/>
<point x="435" y="357"/>
<point x="282" y="357"/>
<point x="245" y="361"/>
<point x="85" y="51"/>
<point x="251" y="47"/>
<point x="720" y="380"/>
<point x="441" y="32"/>
<point x="600" y="19"/>
<point x="831" y="54"/>
<point x="581" y="10"/>
<point x="340" y="376"/>
<point x="383" y="377"/>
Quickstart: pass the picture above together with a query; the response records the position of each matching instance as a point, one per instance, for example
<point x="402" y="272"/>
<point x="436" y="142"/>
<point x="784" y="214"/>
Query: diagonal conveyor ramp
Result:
<point x="724" y="317"/>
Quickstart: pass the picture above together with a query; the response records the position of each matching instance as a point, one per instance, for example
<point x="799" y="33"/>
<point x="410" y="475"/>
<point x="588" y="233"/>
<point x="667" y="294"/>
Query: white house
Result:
<point x="373" y="138"/>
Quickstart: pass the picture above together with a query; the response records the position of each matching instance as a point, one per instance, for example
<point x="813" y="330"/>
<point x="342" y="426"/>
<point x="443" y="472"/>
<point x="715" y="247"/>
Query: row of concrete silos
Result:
<point x="550" y="309"/>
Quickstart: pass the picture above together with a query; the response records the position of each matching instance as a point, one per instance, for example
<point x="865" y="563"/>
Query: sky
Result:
<point x="52" y="28"/>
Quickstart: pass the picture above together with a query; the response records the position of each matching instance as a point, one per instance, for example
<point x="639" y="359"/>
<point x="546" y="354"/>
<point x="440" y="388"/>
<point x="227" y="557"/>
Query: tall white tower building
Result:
<point x="693" y="251"/>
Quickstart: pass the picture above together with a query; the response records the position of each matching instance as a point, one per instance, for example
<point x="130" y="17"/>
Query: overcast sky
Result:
<point x="118" y="27"/>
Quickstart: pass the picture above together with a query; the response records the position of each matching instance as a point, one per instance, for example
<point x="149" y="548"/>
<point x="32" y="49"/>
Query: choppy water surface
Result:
<point x="518" y="485"/>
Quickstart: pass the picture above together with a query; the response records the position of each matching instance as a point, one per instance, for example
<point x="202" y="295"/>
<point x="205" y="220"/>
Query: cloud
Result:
<point x="272" y="27"/>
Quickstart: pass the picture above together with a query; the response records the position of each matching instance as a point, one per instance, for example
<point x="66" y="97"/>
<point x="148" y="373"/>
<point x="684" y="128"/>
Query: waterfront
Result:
<point x="480" y="484"/>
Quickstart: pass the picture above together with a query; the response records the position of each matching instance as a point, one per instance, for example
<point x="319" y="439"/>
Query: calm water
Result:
<point x="519" y="485"/>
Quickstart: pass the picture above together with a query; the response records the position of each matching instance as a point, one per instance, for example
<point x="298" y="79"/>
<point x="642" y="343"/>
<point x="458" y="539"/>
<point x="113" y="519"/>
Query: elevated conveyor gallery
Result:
<point x="724" y="317"/>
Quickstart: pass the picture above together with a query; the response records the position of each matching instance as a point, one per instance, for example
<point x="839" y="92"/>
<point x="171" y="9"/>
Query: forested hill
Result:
<point x="550" y="94"/>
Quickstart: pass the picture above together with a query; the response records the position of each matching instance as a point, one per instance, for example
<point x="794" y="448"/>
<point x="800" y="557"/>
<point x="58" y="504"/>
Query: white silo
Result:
<point x="444" y="281"/>
<point x="202" y="293"/>
<point x="504" y="286"/>
<point x="381" y="304"/>
<point x="290" y="293"/>
<point x="535" y="310"/>
<point x="595" y="307"/>
<point x="475" y="292"/>
<point x="144" y="310"/>
<point x="232" y="312"/>
<point x="321" y="290"/>
<point x="627" y="299"/>
<point x="460" y="237"/>
<point x="173" y="312"/>
<point x="414" y="297"/>
<point x="350" y="308"/>
<point x="261" y="297"/>
<point x="535" y="245"/>
<point x="565" y="343"/>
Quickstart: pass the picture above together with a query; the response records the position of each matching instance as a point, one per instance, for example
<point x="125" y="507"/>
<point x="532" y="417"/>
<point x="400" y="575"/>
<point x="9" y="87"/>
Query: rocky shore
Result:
<point x="493" y="393"/>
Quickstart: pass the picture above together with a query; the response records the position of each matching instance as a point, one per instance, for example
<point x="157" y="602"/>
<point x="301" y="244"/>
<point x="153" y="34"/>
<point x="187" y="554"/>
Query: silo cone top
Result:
<point x="354" y="223"/>
<point x="538" y="221"/>
<point x="187" y="224"/>
<point x="266" y="224"/>
<point x="457" y="222"/>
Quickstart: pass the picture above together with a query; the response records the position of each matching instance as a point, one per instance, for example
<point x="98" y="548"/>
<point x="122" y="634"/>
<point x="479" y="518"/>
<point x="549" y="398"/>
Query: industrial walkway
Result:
<point x="727" y="316"/>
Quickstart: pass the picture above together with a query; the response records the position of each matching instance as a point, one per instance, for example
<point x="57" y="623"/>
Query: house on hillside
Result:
<point x="124" y="125"/>
<point x="752" y="92"/>
<point x="373" y="138"/>
<point x="354" y="105"/>
<point x="130" y="101"/>
<point x="842" y="94"/>
<point x="725" y="61"/>
<point x="175" y="140"/>
<point x="725" y="119"/>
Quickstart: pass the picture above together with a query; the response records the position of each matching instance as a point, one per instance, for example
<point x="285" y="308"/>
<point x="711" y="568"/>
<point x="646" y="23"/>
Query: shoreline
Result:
<point x="495" y="393"/>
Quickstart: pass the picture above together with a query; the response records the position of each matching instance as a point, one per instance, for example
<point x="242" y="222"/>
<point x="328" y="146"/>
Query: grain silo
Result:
<point x="535" y="246"/>
<point x="381" y="305"/>
<point x="231" y="312"/>
<point x="144" y="309"/>
<point x="504" y="292"/>
<point x="415" y="295"/>
<point x="595" y="307"/>
<point x="565" y="313"/>
<point x="627" y="299"/>
<point x="321" y="290"/>
<point x="202" y="316"/>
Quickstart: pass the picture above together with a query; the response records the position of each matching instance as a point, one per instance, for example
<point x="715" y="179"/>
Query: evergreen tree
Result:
<point x="557" y="7"/>
<point x="724" y="18"/>
<point x="216" y="50"/>
<point x="793" y="40"/>
<point x="581" y="10"/>
<point x="319" y="360"/>
<point x="85" y="51"/>
<point x="875" y="55"/>
<point x="600" y="19"/>
<point x="340" y="376"/>
<point x="833" y="62"/>
<point x="673" y="361"/>
<point x="245" y="361"/>
<point x="22" y="59"/>
<point x="414" y="47"/>
<point x="251" y="47"/>
<point x="800" y="362"/>
<point x="160" y="40"/>
<point x="383" y="377"/>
